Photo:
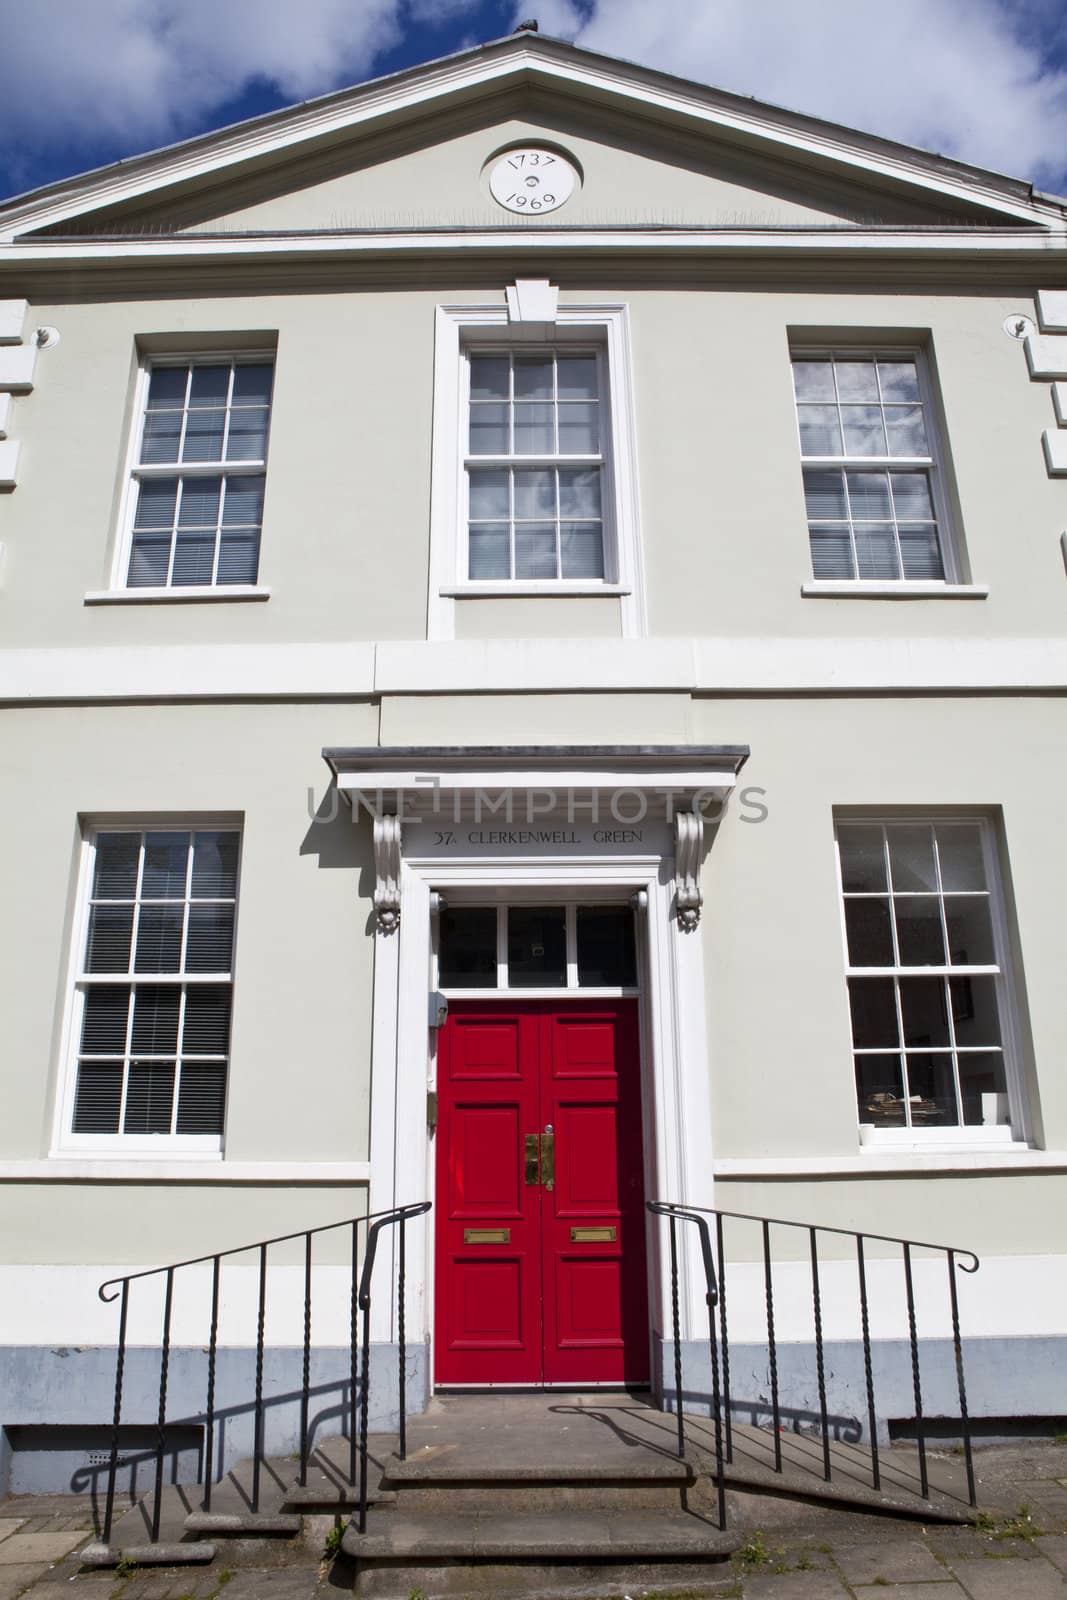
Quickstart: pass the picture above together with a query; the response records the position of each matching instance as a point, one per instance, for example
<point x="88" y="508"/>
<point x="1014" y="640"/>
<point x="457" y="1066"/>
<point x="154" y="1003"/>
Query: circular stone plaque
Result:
<point x="532" y="180"/>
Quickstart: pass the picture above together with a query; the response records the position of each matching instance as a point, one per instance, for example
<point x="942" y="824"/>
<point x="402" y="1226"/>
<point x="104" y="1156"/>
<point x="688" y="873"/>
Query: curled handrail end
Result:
<point x="957" y="1256"/>
<point x="107" y="1298"/>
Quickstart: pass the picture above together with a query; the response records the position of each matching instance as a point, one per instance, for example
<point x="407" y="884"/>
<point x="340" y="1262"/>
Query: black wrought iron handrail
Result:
<point x="362" y="1273"/>
<point x="714" y="1263"/>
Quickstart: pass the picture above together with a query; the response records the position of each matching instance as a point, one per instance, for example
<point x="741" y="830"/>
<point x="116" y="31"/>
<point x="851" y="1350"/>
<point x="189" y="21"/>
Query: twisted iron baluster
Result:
<point x="820" y="1365"/>
<point x="120" y="1368"/>
<point x="164" y="1374"/>
<point x="402" y="1341"/>
<point x="307" y="1364"/>
<point x="257" y="1440"/>
<point x="212" y="1351"/>
<point x="916" y="1383"/>
<point x="353" y="1355"/>
<point x="676" y="1324"/>
<point x="958" y="1348"/>
<point x="724" y="1337"/>
<point x="772" y="1349"/>
<point x="872" y="1421"/>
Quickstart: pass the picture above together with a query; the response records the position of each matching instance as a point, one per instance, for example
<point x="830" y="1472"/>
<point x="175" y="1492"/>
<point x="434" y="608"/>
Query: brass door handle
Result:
<point x="531" y="1159"/>
<point x="548" y="1158"/>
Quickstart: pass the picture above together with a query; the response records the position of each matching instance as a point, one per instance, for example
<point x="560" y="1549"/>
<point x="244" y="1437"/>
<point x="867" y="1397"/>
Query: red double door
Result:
<point x="540" y="1229"/>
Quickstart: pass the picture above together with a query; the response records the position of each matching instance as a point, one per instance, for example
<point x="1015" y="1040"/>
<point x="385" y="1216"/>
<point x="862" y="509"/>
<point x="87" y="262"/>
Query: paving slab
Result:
<point x="1054" y="1548"/>
<point x="28" y="1548"/>
<point x="9" y="1525"/>
<point x="1011" y="1580"/>
<point x="13" y="1580"/>
<point x="945" y="1590"/>
<point x="795" y="1586"/>
<point x="903" y="1561"/>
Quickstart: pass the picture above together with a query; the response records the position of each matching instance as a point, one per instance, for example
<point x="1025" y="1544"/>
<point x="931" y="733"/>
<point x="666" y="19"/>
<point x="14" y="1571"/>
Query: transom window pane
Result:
<point x="923" y="975"/>
<point x="537" y="947"/>
<point x="203" y="529"/>
<point x="606" y="951"/>
<point x="154" y="1045"/>
<point x="543" y="520"/>
<point x="545" y="947"/>
<point x="467" y="948"/>
<point x="875" y="522"/>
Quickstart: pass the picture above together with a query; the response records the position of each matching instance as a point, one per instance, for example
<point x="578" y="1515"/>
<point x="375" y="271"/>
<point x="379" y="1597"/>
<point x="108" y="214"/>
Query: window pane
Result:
<point x="203" y="436"/>
<point x="206" y="1031"/>
<point x="906" y="431"/>
<point x="874" y="1013"/>
<point x="535" y="494"/>
<point x="868" y="494"/>
<point x="162" y="431"/>
<point x="870" y="934"/>
<point x="579" y="492"/>
<point x="467" y="948"/>
<point x="104" y="1019"/>
<point x="247" y="437"/>
<point x="985" y="1089"/>
<point x="149" y="560"/>
<point x="919" y="937"/>
<point x="489" y="553"/>
<point x="579" y="430"/>
<point x="98" y="1097"/>
<point x="166" y="387"/>
<point x="899" y="380"/>
<point x="533" y="378"/>
<point x="200" y="502"/>
<point x="606" y="951"/>
<point x="155" y="1019"/>
<point x="115" y="867"/>
<point x="970" y="931"/>
<point x="911" y="857"/>
<point x="880" y="1090"/>
<point x="931" y="1091"/>
<point x="861" y="427"/>
<point x="214" y="865"/>
<point x="534" y="430"/>
<point x="194" y="560"/>
<point x="911" y="496"/>
<point x="159" y="939"/>
<point x="210" y="385"/>
<point x="209" y="947"/>
<point x="856" y="380"/>
<point x="489" y="431"/>
<point x="535" y="550"/>
<point x="959" y="847"/>
<point x="831" y="553"/>
<point x="824" y="496"/>
<point x="862" y="859"/>
<point x="156" y="500"/>
<point x="576" y="377"/>
<point x="581" y="550"/>
<point x="253" y="383"/>
<point x="922" y="1005"/>
<point x="489" y="377"/>
<point x="820" y="431"/>
<point x="974" y="1011"/>
<point x="920" y="552"/>
<point x="108" y="947"/>
<point x="238" y="558"/>
<point x="813" y="380"/>
<point x="489" y="494"/>
<point x="201" y="1097"/>
<point x="149" y="1097"/>
<point x="876" y="551"/>
<point x="537" y="947"/>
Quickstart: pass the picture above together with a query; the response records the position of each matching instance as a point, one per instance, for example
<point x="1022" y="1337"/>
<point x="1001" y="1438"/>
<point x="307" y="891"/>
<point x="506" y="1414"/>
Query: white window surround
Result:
<point x="116" y="1148"/>
<point x="214" y="351"/>
<point x="459" y="327"/>
<point x="953" y="584"/>
<point x="1008" y="1140"/>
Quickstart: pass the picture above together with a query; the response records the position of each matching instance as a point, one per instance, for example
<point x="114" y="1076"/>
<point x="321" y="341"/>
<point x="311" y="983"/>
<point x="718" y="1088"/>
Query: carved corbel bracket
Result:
<point x="387" y="873"/>
<point x="688" y="844"/>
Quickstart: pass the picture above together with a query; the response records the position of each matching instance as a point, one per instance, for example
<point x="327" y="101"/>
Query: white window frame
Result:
<point x="604" y="327"/>
<point x="934" y="464"/>
<point x="135" y="472"/>
<point x="1017" y="1134"/>
<point x="139" y="1146"/>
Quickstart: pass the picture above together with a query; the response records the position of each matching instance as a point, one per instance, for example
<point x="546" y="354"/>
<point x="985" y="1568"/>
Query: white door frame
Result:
<point x="676" y="1101"/>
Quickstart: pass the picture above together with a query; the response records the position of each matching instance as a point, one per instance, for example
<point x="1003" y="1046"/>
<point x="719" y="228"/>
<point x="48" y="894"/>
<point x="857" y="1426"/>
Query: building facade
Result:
<point x="533" y="655"/>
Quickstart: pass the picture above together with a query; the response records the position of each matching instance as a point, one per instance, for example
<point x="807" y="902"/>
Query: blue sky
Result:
<point x="85" y="82"/>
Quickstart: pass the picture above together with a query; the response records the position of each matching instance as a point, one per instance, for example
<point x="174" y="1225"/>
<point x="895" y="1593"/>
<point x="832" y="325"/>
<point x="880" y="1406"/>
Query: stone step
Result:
<point x="444" y="1481"/>
<point x="396" y="1538"/>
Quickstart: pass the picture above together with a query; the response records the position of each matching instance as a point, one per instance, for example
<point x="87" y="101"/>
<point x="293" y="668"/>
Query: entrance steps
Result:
<point x="543" y="1492"/>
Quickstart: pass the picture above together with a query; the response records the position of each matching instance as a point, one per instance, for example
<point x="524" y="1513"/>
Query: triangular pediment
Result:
<point x="414" y="151"/>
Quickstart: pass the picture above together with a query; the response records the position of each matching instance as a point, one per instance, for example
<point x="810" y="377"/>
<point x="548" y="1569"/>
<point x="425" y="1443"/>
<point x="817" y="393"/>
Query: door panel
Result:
<point x="540" y="1281"/>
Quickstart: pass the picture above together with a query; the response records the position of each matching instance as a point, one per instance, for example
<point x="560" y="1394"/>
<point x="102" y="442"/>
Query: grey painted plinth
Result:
<point x="56" y="1407"/>
<point x="1008" y="1377"/>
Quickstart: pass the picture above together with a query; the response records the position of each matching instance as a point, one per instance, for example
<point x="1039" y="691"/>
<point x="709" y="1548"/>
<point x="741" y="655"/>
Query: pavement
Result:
<point x="798" y="1552"/>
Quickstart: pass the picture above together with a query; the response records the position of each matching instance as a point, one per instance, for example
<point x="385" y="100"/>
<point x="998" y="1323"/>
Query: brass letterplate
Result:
<point x="593" y="1235"/>
<point x="487" y="1236"/>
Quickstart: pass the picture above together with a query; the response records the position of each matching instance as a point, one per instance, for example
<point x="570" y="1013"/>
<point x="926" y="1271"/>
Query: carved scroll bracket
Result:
<point x="387" y="873"/>
<point x="688" y="844"/>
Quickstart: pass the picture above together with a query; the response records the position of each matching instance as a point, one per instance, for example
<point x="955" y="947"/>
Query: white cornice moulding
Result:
<point x="9" y="463"/>
<point x="12" y="321"/>
<point x="114" y="1169"/>
<point x="323" y="672"/>
<point x="16" y="368"/>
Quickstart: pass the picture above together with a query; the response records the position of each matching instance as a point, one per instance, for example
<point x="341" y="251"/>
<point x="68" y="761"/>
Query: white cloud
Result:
<point x="964" y="77"/>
